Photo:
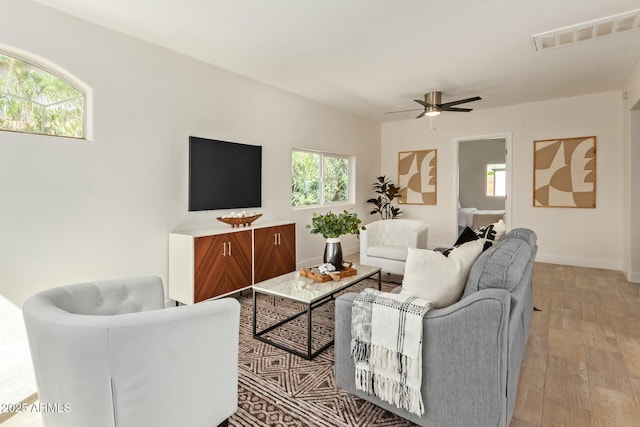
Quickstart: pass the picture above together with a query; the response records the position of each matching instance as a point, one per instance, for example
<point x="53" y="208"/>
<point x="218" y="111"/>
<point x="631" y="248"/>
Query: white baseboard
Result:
<point x="579" y="262"/>
<point x="633" y="277"/>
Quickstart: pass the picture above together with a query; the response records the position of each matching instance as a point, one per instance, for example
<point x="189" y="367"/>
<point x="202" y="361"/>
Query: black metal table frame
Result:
<point x="310" y="354"/>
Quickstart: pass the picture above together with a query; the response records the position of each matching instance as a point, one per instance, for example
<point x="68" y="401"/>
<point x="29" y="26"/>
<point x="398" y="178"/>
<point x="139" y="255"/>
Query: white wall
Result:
<point x="587" y="237"/>
<point x="632" y="177"/>
<point x="75" y="211"/>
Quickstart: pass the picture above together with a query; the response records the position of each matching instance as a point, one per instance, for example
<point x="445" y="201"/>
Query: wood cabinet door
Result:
<point x="238" y="261"/>
<point x="286" y="254"/>
<point x="222" y="264"/>
<point x="274" y="251"/>
<point x="209" y="265"/>
<point x="264" y="251"/>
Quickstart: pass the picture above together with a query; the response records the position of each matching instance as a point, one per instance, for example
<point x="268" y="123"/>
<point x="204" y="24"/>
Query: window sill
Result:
<point x="341" y="205"/>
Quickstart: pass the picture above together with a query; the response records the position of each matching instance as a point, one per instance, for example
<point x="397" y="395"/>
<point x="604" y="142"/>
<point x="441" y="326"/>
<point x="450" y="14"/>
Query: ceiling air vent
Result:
<point x="602" y="27"/>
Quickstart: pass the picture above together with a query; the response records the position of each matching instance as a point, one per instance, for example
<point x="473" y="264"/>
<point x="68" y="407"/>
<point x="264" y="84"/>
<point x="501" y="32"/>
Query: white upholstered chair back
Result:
<point x="109" y="354"/>
<point x="384" y="243"/>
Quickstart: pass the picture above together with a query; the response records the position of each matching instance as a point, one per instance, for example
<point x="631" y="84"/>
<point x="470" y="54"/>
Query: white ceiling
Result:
<point x="373" y="56"/>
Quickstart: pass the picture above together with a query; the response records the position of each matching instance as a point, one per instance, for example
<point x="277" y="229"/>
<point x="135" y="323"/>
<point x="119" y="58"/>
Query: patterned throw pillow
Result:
<point x="489" y="233"/>
<point x="492" y="232"/>
<point x="467" y="235"/>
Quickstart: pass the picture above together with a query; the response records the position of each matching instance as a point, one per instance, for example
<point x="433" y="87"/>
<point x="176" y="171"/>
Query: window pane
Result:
<point x="33" y="100"/>
<point x="305" y="174"/>
<point x="20" y="115"/>
<point x="496" y="180"/>
<point x="500" y="183"/>
<point x="64" y="118"/>
<point x="336" y="179"/>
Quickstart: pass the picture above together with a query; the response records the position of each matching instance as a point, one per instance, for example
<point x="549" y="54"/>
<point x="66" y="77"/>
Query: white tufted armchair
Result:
<point x="384" y="243"/>
<point x="109" y="354"/>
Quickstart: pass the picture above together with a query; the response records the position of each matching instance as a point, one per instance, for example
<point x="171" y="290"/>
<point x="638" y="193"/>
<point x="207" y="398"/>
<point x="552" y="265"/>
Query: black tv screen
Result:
<point x="224" y="175"/>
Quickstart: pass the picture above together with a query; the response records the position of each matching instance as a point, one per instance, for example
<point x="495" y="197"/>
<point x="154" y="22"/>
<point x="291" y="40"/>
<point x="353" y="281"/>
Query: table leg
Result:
<point x="380" y="280"/>
<point x="309" y="331"/>
<point x="255" y="304"/>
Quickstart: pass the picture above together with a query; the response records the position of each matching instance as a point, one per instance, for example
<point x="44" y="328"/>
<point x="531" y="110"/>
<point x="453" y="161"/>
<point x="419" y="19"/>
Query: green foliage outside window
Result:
<point x="318" y="179"/>
<point x="35" y="101"/>
<point x="336" y="179"/>
<point x="306" y="180"/>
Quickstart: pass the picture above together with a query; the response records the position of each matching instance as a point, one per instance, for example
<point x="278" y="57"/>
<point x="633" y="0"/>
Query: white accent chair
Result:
<point x="385" y="243"/>
<point x="109" y="354"/>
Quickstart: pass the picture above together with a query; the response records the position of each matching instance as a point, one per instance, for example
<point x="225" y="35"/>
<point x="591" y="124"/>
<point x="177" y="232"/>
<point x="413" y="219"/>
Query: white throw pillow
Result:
<point x="436" y="278"/>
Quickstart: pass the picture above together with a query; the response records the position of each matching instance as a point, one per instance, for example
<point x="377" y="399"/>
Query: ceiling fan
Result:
<point x="433" y="105"/>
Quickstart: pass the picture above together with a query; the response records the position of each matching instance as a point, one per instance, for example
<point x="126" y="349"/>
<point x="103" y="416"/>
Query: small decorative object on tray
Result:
<point x="326" y="272"/>
<point x="236" y="219"/>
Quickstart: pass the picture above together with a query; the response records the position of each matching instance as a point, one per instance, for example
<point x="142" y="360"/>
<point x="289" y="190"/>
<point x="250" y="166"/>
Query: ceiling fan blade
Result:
<point x="426" y="104"/>
<point x="403" y="111"/>
<point x="421" y="115"/>
<point x="460" y="101"/>
<point x="463" y="110"/>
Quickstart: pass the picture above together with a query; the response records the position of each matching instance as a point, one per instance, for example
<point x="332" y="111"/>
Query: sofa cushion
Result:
<point x="501" y="266"/>
<point x="389" y="252"/>
<point x="436" y="278"/>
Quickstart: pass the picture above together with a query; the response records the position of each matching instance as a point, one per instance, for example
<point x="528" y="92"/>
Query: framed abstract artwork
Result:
<point x="564" y="172"/>
<point x="417" y="175"/>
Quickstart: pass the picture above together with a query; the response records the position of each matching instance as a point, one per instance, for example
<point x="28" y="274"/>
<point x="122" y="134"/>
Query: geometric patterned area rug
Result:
<point x="276" y="388"/>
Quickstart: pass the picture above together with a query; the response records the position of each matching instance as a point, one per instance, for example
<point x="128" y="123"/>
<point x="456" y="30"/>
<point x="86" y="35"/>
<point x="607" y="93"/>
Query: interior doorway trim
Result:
<point x="508" y="137"/>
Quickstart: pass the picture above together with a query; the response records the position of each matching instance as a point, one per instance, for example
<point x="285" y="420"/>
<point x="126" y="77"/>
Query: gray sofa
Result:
<point x="472" y="350"/>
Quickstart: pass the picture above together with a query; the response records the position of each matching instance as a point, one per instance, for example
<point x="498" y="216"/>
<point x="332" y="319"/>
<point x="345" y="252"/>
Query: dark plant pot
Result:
<point x="333" y="253"/>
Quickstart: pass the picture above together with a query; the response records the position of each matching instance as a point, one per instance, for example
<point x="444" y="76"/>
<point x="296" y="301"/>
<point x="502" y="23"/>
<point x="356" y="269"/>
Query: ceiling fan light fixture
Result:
<point x="432" y="112"/>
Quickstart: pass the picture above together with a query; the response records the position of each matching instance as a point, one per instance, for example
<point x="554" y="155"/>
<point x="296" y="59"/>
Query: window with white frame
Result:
<point x="319" y="178"/>
<point x="35" y="100"/>
<point x="496" y="180"/>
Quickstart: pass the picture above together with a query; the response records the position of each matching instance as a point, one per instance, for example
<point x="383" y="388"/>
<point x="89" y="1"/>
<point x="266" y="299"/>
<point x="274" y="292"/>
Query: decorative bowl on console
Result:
<point x="237" y="221"/>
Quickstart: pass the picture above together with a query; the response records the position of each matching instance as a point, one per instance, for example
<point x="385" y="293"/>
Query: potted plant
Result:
<point x="387" y="191"/>
<point x="331" y="227"/>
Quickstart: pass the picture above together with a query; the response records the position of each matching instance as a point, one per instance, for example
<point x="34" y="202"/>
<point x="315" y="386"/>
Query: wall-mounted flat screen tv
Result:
<point x="224" y="175"/>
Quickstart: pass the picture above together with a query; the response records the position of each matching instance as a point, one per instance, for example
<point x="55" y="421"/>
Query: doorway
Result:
<point x="483" y="180"/>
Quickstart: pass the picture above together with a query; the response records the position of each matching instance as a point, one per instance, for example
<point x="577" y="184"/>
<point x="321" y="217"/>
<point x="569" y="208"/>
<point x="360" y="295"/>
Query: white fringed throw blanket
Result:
<point x="386" y="346"/>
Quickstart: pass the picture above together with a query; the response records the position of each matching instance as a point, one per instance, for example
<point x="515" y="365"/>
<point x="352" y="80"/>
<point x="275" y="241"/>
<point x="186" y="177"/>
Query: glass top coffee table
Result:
<point x="293" y="287"/>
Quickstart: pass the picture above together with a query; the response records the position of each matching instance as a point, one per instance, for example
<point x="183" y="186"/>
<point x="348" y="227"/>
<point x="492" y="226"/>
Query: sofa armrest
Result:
<point x="464" y="360"/>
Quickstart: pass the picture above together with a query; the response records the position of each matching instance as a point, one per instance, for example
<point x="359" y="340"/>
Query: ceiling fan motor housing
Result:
<point x="432" y="101"/>
<point x="433" y="98"/>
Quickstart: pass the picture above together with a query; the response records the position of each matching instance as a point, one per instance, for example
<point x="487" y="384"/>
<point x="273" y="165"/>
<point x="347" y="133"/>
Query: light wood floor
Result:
<point x="582" y="362"/>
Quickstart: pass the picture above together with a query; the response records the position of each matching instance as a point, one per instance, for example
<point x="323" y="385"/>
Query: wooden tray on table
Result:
<point x="313" y="273"/>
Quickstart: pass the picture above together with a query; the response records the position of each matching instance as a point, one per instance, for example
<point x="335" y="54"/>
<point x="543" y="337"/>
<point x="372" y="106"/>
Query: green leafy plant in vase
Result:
<point x="331" y="226"/>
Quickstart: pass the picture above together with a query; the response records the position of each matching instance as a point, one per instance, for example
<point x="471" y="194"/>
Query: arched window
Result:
<point x="35" y="99"/>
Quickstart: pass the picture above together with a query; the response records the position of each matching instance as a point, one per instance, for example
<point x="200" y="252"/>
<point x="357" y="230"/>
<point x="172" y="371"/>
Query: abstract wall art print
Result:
<point x="564" y="172"/>
<point x="417" y="175"/>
